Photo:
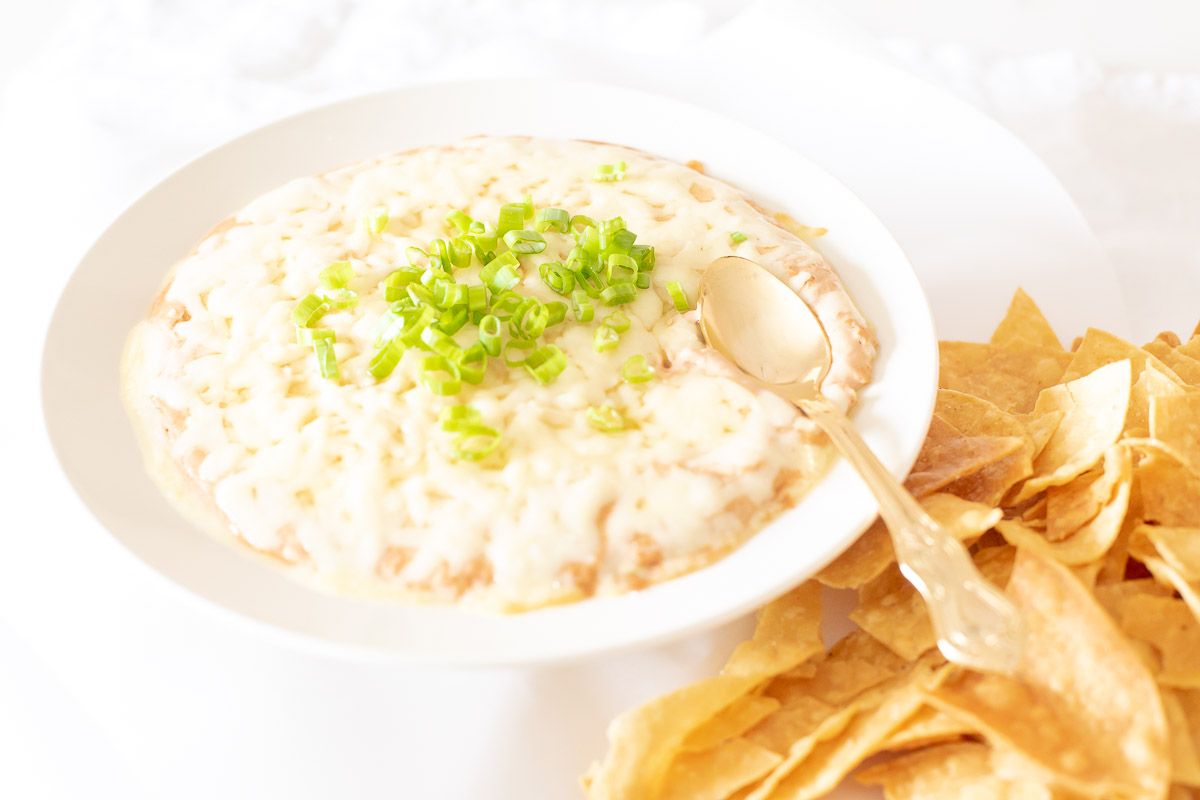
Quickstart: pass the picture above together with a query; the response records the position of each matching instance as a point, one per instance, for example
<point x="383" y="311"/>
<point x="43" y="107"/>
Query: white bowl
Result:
<point x="112" y="287"/>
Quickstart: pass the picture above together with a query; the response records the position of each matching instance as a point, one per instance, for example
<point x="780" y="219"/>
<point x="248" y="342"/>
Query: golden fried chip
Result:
<point x="949" y="455"/>
<point x="892" y="611"/>
<point x="951" y="772"/>
<point x="1082" y="705"/>
<point x="1040" y="427"/>
<point x="1179" y="547"/>
<point x="715" y="774"/>
<point x="1170" y="492"/>
<point x="1182" y="707"/>
<point x="872" y="553"/>
<point x="1152" y="383"/>
<point x="1175" y="421"/>
<point x="975" y="416"/>
<point x="1191" y="347"/>
<point x="1009" y="378"/>
<point x="1170" y="627"/>
<point x="1185" y="366"/>
<point x="735" y="719"/>
<point x="645" y="741"/>
<point x="1025" y="326"/>
<point x="1094" y="408"/>
<point x="1100" y="348"/>
<point x="817" y="763"/>
<point x="854" y="664"/>
<point x="927" y="727"/>
<point x="788" y="632"/>
<point x="797" y="719"/>
<point x="1073" y="505"/>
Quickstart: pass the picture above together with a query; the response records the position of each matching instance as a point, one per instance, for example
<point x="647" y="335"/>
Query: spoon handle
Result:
<point x="975" y="624"/>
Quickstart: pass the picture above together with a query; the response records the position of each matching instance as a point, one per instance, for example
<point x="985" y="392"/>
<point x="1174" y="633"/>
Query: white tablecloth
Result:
<point x="119" y="93"/>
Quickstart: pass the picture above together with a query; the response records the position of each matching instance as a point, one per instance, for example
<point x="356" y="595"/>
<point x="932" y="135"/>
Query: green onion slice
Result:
<point x="606" y="419"/>
<point x="489" y="334"/>
<point x="439" y="342"/>
<point x="525" y="242"/>
<point x="581" y="306"/>
<point x="440" y="376"/>
<point x="558" y="278"/>
<point x="610" y="172"/>
<point x="605" y="339"/>
<point x="337" y="275"/>
<point x="553" y="219"/>
<point x="637" y="370"/>
<point x="457" y="418"/>
<point x="617" y="294"/>
<point x="475" y="443"/>
<point x="309" y="310"/>
<point x="678" y="297"/>
<point x="581" y="221"/>
<point x="477" y="298"/>
<point x="621" y="266"/>
<point x="417" y="258"/>
<point x="459" y="220"/>
<point x="306" y="336"/>
<point x="377" y="221"/>
<point x="516" y="351"/>
<point x="546" y="363"/>
<point x="512" y="218"/>
<point x="501" y="273"/>
<point x="529" y="320"/>
<point x="737" y="237"/>
<point x="472" y="364"/>
<point x="326" y="358"/>
<point x="384" y="362"/>
<point x="558" y="312"/>
<point x="643" y="254"/>
<point x="617" y="321"/>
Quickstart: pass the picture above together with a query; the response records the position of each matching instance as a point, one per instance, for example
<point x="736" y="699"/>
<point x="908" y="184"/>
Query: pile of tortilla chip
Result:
<point x="1074" y="477"/>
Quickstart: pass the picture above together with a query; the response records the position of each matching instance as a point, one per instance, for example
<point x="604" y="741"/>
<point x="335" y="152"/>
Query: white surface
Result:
<point x="196" y="709"/>
<point x="98" y="449"/>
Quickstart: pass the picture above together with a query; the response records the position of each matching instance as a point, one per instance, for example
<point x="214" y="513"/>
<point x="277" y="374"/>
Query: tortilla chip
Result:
<point x="817" y="763"/>
<point x="892" y="611"/>
<point x="1009" y="378"/>
<point x="1040" y="427"/>
<point x="951" y="772"/>
<point x="717" y="773"/>
<point x="1072" y="506"/>
<point x="1094" y="408"/>
<point x="872" y="553"/>
<point x="974" y="416"/>
<point x="927" y="727"/>
<point x="1175" y="421"/>
<point x="1170" y="627"/>
<point x="1152" y="383"/>
<point x="1182" y="707"/>
<point x="1025" y="326"/>
<point x="1077" y="674"/>
<point x="856" y="663"/>
<point x="1191" y="347"/>
<point x="1187" y="367"/>
<point x="949" y="455"/>
<point x="735" y="719"/>
<point x="797" y="719"/>
<point x="1100" y="348"/>
<point x="1179" y="547"/>
<point x="1170" y="492"/>
<point x="788" y="632"/>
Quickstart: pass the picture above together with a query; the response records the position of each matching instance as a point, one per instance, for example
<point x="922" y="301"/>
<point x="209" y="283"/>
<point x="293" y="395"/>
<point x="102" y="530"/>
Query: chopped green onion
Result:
<point x="737" y="237"/>
<point x="529" y="320"/>
<point x="512" y="218"/>
<point x="579" y="260"/>
<point x="525" y="242"/>
<point x="553" y="219"/>
<point x="377" y="221"/>
<point x="394" y="283"/>
<point x="475" y="443"/>
<point x="581" y="221"/>
<point x="385" y="360"/>
<point x="449" y="295"/>
<point x="591" y="282"/>
<point x="460" y="252"/>
<point x="589" y="240"/>
<point x="506" y="304"/>
<point x="416" y="320"/>
<point x="457" y="418"/>
<point x="451" y="320"/>
<point x="439" y="342"/>
<point x="546" y="363"/>
<point x="558" y="312"/>
<point x="606" y="419"/>
<point x="459" y="220"/>
<point x="605" y="339"/>
<point x="489" y="334"/>
<point x="306" y="336"/>
<point x="624" y="263"/>
<point x="643" y="254"/>
<point x="642" y="280"/>
<point x="609" y="172"/>
<point x="637" y="370"/>
<point x="501" y="273"/>
<point x="476" y="298"/>
<point x="310" y="309"/>
<point x="617" y="321"/>
<point x="581" y="306"/>
<point x="617" y="294"/>
<point x="620" y="241"/>
<point x="417" y="258"/>
<point x="440" y="376"/>
<point x="326" y="358"/>
<point x="558" y="278"/>
<point x="472" y="364"/>
<point x="516" y="359"/>
<point x="678" y="297"/>
<point x="441" y="255"/>
<point x="337" y="275"/>
<point x="419" y="294"/>
<point x="340" y="298"/>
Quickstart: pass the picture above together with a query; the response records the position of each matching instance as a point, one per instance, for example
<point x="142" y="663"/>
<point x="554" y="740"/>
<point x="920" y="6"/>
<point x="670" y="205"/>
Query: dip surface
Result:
<point x="353" y="484"/>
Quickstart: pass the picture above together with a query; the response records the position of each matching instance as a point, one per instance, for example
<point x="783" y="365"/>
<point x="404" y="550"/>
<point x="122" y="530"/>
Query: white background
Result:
<point x="1108" y="96"/>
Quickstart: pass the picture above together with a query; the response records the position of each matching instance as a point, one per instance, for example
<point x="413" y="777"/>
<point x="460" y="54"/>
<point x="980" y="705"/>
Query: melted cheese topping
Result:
<point x="354" y="480"/>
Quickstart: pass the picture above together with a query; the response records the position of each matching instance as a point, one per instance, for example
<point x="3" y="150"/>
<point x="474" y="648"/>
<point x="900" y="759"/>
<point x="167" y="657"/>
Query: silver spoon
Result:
<point x="769" y="333"/>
